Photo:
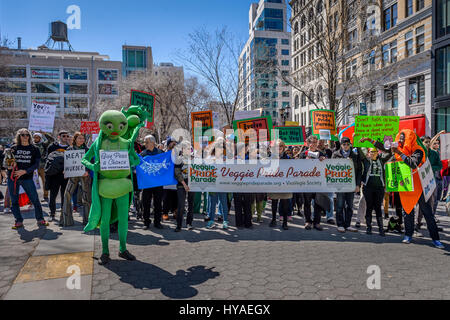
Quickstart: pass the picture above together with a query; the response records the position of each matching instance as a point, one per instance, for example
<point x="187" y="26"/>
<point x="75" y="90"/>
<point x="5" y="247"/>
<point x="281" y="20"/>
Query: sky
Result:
<point x="107" y="25"/>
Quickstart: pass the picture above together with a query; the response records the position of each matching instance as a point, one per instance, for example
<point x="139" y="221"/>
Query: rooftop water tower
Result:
<point x="58" y="36"/>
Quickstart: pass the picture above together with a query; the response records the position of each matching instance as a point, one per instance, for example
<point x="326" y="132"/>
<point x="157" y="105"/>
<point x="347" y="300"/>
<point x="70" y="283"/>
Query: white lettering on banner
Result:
<point x="427" y="180"/>
<point x="332" y="175"/>
<point x="114" y="160"/>
<point x="42" y="117"/>
<point x="72" y="163"/>
<point x="445" y="146"/>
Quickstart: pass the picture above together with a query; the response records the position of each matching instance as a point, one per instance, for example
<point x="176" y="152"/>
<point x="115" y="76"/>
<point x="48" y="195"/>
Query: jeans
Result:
<point x="330" y="213"/>
<point x="213" y="198"/>
<point x="426" y="209"/>
<point x="30" y="189"/>
<point x="344" y="209"/>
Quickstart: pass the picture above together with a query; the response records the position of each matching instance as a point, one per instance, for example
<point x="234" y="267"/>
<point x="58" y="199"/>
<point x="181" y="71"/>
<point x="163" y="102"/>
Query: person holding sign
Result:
<point x="66" y="218"/>
<point x="112" y="186"/>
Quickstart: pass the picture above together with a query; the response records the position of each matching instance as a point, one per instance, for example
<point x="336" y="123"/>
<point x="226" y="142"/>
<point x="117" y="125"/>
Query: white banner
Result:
<point x="239" y="115"/>
<point x="427" y="179"/>
<point x="42" y="117"/>
<point x="114" y="160"/>
<point x="72" y="163"/>
<point x="278" y="176"/>
<point x="445" y="146"/>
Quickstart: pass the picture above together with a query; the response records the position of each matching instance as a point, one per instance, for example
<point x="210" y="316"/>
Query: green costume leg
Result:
<point x="122" y="211"/>
<point x="105" y="221"/>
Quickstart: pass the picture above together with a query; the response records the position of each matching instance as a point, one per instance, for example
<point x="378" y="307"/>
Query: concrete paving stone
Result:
<point x="272" y="294"/>
<point x="309" y="296"/>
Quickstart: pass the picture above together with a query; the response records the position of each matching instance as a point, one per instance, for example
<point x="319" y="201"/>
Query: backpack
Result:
<point x="55" y="163"/>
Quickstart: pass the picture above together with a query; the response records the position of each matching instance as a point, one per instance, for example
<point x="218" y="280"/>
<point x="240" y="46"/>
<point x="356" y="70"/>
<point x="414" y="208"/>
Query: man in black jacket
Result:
<point x="345" y="199"/>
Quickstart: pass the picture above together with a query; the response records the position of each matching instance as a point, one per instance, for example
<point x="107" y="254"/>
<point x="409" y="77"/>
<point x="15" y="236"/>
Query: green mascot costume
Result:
<point x="112" y="189"/>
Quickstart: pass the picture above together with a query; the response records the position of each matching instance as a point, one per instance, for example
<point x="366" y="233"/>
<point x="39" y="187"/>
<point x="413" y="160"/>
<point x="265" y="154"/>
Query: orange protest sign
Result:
<point x="206" y="118"/>
<point x="324" y="121"/>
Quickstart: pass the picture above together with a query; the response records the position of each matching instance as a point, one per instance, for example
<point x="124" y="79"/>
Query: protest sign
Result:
<point x="89" y="127"/>
<point x="257" y="124"/>
<point x="239" y="115"/>
<point x="206" y="118"/>
<point x="72" y="163"/>
<point x="114" y="160"/>
<point x="141" y="98"/>
<point x="292" y="136"/>
<point x="42" y="117"/>
<point x="379" y="128"/>
<point x="427" y="180"/>
<point x="324" y="120"/>
<point x="445" y="146"/>
<point x="156" y="171"/>
<point x="280" y="176"/>
<point x="398" y="177"/>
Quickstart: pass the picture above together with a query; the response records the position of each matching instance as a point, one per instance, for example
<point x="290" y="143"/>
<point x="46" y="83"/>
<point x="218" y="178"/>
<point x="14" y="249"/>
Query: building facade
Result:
<point x="167" y="69"/>
<point x="385" y="58"/>
<point x="264" y="59"/>
<point x="72" y="81"/>
<point x="441" y="65"/>
<point x="136" y="58"/>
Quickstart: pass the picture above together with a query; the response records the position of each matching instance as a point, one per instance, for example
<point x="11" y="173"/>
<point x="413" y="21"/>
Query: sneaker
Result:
<point x="210" y="225"/>
<point x="17" y="225"/>
<point x="190" y="227"/>
<point x="407" y="240"/>
<point x="225" y="225"/>
<point x="273" y="223"/>
<point x="127" y="255"/>
<point x="358" y="224"/>
<point x="351" y="229"/>
<point x="438" y="244"/>
<point x="341" y="229"/>
<point x="308" y="226"/>
<point x="331" y="221"/>
<point x="42" y="223"/>
<point x="318" y="227"/>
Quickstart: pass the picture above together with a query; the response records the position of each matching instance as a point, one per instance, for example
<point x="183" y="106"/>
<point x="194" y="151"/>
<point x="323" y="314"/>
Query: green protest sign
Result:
<point x="141" y="98"/>
<point x="292" y="136"/>
<point x="398" y="177"/>
<point x="379" y="128"/>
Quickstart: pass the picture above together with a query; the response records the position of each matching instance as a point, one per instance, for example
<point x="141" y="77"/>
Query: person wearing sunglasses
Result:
<point x="25" y="159"/>
<point x="54" y="170"/>
<point x="345" y="199"/>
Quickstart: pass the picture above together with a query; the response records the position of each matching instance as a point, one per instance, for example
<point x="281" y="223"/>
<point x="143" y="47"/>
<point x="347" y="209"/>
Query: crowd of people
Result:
<point x="40" y="156"/>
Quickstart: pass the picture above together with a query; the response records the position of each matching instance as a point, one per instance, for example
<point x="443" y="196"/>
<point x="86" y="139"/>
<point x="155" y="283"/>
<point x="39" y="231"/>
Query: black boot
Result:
<point x="127" y="255"/>
<point x="380" y="226"/>
<point x="285" y="226"/>
<point x="369" y="225"/>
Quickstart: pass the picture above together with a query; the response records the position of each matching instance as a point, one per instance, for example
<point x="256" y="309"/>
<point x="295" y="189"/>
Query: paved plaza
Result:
<point x="262" y="263"/>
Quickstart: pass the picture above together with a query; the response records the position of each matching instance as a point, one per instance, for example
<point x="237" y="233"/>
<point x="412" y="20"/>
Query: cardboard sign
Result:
<point x="398" y="177"/>
<point x="239" y="115"/>
<point x="42" y="117"/>
<point x="261" y="123"/>
<point x="72" y="163"/>
<point x="445" y="146"/>
<point x="324" y="120"/>
<point x="427" y="179"/>
<point x="89" y="127"/>
<point x="206" y="118"/>
<point x="114" y="160"/>
<point x="292" y="136"/>
<point x="325" y="135"/>
<point x="379" y="128"/>
<point x="141" y="98"/>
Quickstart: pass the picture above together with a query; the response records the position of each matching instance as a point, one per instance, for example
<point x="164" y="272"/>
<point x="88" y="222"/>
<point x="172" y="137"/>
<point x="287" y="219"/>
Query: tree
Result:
<point x="215" y="58"/>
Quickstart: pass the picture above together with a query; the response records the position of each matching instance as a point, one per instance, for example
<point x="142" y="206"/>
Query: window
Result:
<point x="16" y="72"/>
<point x="409" y="43"/>
<point x="296" y="102"/>
<point x="352" y="39"/>
<point x="443" y="119"/>
<point x="107" y="89"/>
<point x="284" y="62"/>
<point x="75" y="103"/>
<point x="420" y="39"/>
<point x="443" y="71"/>
<point x="285" y="52"/>
<point x="75" y="74"/>
<point x="286" y="105"/>
<point x="409" y="7"/>
<point x="350" y="70"/>
<point x="390" y="18"/>
<point x="75" y="88"/>
<point x="107" y="75"/>
<point x="390" y="53"/>
<point x="417" y="90"/>
<point x="391" y="96"/>
<point x="420" y="4"/>
<point x="296" y="28"/>
<point x="311" y="96"/>
<point x="13" y="101"/>
<point x="285" y="94"/>
<point x="442" y="18"/>
<point x="285" y="41"/>
<point x="9" y="86"/>
<point x="44" y="87"/>
<point x="44" y="73"/>
<point x="303" y="102"/>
